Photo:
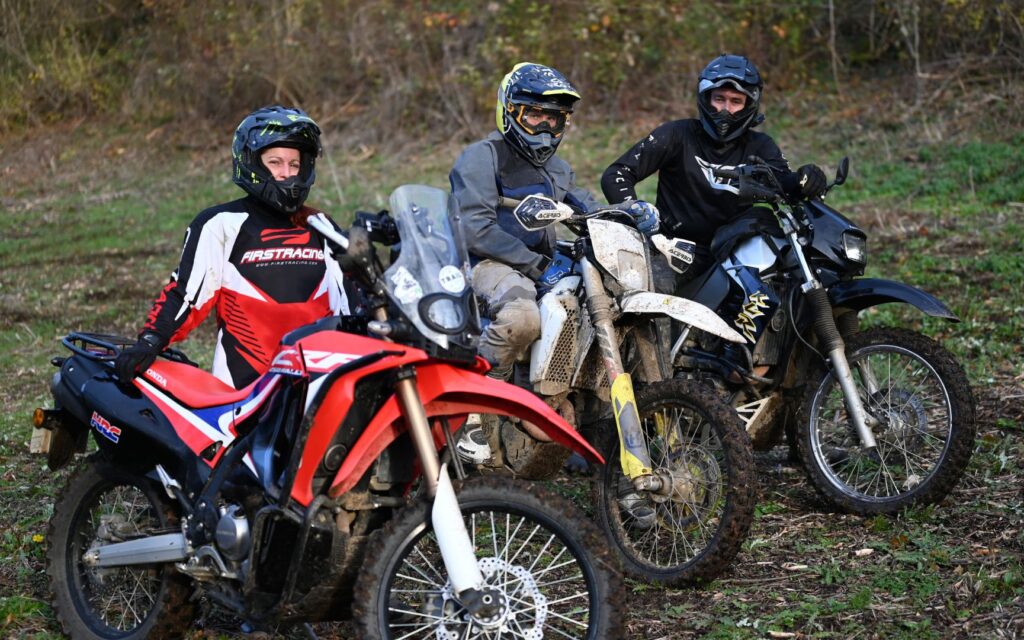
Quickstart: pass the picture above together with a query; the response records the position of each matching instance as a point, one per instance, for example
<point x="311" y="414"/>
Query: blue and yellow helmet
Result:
<point x="530" y="86"/>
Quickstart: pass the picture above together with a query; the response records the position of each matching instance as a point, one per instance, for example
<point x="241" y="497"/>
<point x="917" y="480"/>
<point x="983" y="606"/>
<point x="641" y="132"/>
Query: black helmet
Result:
<point x="275" y="126"/>
<point x="531" y="85"/>
<point x="741" y="74"/>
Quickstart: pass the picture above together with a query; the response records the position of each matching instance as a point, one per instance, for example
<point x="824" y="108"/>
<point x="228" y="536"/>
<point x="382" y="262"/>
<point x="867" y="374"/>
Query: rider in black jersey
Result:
<point x="693" y="202"/>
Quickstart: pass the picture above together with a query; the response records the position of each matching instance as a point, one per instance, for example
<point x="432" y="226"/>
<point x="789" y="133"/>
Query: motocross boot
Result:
<point x="472" y="445"/>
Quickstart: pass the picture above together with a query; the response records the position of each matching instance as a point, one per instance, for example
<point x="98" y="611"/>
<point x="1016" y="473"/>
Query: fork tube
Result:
<point x="828" y="335"/>
<point x="832" y="340"/>
<point x="600" y="305"/>
<point x="416" y="418"/>
<point x="678" y="345"/>
<point x="457" y="549"/>
<point x="419" y="427"/>
<point x="634" y="457"/>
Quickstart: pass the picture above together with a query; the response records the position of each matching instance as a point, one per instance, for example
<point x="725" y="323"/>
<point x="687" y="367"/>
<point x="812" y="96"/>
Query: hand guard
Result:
<point x="138" y="357"/>
<point x="648" y="220"/>
<point x="812" y="180"/>
<point x="536" y="212"/>
<point x="680" y="253"/>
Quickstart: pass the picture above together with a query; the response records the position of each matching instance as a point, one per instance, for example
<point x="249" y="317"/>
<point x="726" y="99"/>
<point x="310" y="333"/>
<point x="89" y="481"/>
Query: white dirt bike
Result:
<point x="677" y="496"/>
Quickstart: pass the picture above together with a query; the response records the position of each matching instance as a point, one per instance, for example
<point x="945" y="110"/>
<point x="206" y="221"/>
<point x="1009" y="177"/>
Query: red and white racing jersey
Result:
<point x="264" y="275"/>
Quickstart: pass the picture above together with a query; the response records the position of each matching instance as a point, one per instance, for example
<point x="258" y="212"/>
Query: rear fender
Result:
<point x="863" y="293"/>
<point x="448" y="391"/>
<point x="128" y="426"/>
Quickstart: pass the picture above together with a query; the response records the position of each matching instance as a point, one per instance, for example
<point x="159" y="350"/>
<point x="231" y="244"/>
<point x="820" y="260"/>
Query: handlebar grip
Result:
<point x="511" y="203"/>
<point x="731" y="174"/>
<point x="620" y="206"/>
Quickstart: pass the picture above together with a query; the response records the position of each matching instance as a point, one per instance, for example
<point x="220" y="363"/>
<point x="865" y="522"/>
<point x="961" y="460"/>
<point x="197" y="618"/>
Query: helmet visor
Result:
<point x="534" y="119"/>
<point x="706" y="86"/>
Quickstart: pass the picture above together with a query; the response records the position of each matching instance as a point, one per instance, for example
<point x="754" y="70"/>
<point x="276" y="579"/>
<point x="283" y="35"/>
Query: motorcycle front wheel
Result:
<point x="550" y="567"/>
<point x="922" y="401"/>
<point x="692" y="529"/>
<point x="101" y="504"/>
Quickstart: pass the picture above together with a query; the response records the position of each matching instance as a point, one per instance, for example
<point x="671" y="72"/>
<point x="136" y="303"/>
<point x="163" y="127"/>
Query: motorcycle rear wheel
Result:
<point x="551" y="565"/>
<point x="695" y="532"/>
<point x="98" y="504"/>
<point x="922" y="399"/>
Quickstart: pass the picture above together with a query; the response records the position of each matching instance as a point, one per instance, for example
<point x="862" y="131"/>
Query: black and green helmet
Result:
<point x="268" y="127"/>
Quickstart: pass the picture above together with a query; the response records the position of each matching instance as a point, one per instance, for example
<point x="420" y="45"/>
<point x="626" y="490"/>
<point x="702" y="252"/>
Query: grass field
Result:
<point x="92" y="223"/>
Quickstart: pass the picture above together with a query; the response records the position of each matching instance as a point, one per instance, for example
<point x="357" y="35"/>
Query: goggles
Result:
<point x="533" y="119"/>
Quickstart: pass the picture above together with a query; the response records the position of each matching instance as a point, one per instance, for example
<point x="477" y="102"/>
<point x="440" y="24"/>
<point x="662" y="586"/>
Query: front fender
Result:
<point x="868" y="292"/>
<point x="446" y="390"/>
<point x="681" y="309"/>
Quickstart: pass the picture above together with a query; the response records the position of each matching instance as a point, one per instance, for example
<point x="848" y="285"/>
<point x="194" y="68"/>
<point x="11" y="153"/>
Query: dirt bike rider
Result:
<point x="534" y="107"/>
<point x="693" y="202"/>
<point x="253" y="259"/>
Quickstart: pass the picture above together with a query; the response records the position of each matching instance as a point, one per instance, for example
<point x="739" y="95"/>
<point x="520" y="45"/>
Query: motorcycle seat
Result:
<point x="192" y="386"/>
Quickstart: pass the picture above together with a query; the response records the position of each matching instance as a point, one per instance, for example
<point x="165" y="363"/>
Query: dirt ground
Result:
<point x="802" y="553"/>
<point x="952" y="571"/>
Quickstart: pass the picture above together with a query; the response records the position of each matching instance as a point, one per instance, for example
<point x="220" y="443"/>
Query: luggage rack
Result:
<point x="106" y="347"/>
<point x="96" y="346"/>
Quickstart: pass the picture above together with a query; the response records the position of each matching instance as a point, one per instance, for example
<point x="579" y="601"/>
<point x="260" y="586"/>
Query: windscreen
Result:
<point x="429" y="279"/>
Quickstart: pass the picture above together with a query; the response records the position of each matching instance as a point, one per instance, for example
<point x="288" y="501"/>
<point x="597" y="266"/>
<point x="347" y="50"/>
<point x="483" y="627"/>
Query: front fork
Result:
<point x="634" y="455"/>
<point x="830" y="338"/>
<point x="450" y="529"/>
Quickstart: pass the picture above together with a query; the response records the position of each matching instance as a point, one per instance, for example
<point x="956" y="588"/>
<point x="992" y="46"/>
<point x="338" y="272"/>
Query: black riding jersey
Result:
<point x="693" y="202"/>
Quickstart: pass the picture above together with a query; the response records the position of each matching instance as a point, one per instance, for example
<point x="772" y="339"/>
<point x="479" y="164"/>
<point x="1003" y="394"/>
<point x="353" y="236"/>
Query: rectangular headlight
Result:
<point x="856" y="247"/>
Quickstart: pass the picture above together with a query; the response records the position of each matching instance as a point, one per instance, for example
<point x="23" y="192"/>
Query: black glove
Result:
<point x="812" y="180"/>
<point x="139" y="357"/>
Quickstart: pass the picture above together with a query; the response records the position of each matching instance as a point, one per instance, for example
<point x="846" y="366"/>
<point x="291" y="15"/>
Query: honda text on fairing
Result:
<point x="321" y="490"/>
<point x="882" y="418"/>
<point x="677" y="499"/>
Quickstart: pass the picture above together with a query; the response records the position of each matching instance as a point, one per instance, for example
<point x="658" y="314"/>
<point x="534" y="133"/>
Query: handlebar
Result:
<point x="757" y="180"/>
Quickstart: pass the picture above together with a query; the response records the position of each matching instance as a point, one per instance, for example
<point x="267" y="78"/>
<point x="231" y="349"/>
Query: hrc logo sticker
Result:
<point x="107" y="430"/>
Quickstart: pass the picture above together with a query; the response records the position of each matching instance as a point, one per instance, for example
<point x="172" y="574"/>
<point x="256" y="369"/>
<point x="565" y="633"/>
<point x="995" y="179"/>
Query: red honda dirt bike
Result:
<point x="323" y="487"/>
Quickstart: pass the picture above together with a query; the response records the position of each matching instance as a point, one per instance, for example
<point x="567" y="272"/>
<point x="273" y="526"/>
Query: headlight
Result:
<point x="855" y="247"/>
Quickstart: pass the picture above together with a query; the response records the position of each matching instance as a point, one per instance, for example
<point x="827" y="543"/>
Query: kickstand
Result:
<point x="308" y="628"/>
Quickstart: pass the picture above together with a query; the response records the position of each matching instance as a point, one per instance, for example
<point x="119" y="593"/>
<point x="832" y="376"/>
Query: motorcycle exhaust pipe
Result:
<point x="169" y="547"/>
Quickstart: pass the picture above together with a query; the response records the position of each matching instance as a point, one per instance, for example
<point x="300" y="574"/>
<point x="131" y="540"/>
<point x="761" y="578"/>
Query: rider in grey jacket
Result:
<point x="534" y="106"/>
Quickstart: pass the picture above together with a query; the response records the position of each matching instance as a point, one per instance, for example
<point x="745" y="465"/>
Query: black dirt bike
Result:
<point x="882" y="418"/>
